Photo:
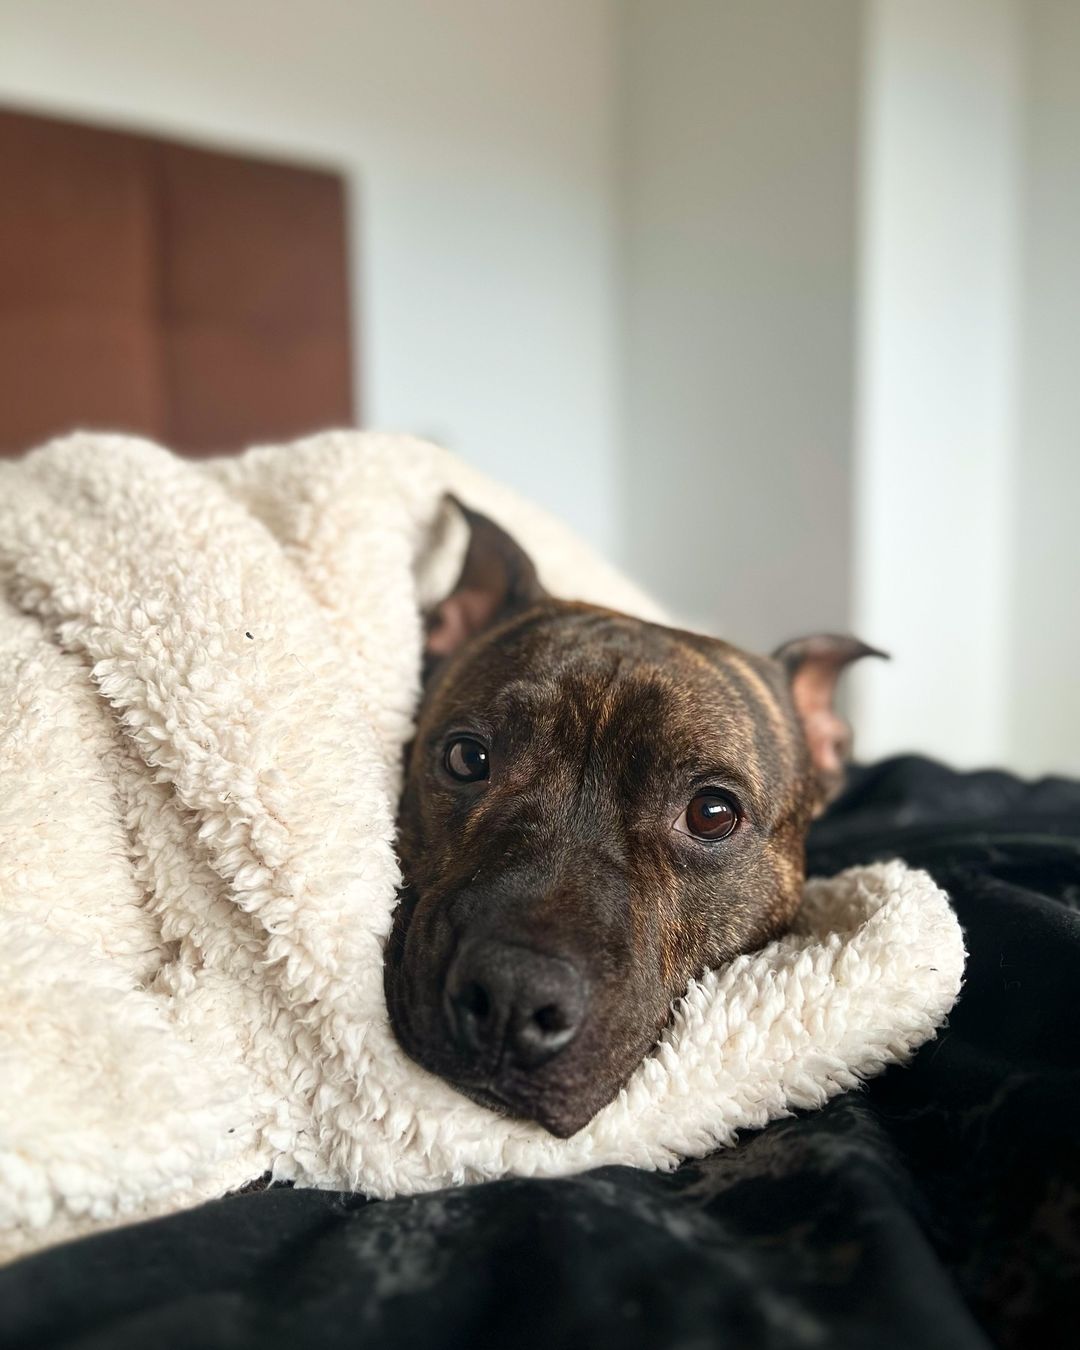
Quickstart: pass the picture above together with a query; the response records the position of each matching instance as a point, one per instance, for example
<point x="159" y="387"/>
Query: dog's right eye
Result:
<point x="711" y="815"/>
<point x="466" y="759"/>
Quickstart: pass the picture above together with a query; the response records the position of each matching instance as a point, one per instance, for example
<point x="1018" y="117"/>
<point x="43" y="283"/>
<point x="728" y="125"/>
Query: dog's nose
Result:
<point x="501" y="995"/>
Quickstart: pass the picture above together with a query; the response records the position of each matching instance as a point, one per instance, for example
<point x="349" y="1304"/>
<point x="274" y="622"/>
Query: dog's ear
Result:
<point x="497" y="580"/>
<point x="813" y="666"/>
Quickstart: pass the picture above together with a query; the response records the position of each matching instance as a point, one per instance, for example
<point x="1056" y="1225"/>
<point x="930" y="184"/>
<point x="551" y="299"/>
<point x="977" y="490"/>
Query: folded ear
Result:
<point x="813" y="666"/>
<point x="497" y="580"/>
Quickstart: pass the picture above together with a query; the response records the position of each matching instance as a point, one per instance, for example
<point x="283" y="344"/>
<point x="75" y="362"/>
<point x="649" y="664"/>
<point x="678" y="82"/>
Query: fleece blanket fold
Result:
<point x="207" y="673"/>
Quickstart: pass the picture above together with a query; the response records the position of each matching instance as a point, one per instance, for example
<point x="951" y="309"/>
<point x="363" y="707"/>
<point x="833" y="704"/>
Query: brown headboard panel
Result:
<point x="196" y="297"/>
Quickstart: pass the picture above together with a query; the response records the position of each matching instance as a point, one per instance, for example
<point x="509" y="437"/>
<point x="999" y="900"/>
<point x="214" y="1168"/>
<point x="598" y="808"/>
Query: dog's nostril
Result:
<point x="550" y="1018"/>
<point x="475" y="999"/>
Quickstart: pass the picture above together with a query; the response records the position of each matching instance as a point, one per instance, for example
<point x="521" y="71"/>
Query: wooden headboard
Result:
<point x="195" y="297"/>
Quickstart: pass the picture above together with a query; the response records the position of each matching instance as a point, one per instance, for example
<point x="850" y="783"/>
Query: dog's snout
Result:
<point x="505" y="999"/>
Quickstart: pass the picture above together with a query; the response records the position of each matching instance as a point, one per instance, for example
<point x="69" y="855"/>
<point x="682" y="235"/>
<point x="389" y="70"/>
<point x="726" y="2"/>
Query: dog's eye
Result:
<point x="466" y="759"/>
<point x="710" y="815"/>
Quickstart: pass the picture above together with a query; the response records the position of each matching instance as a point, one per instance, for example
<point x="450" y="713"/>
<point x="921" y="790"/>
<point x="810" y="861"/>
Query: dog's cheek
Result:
<point x="424" y="832"/>
<point x="784" y="874"/>
<point x="418" y="980"/>
<point x="760" y="903"/>
<point x="659" y="942"/>
<point x="679" y="919"/>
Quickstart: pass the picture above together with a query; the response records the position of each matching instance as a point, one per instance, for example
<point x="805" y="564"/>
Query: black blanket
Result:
<point x="940" y="1207"/>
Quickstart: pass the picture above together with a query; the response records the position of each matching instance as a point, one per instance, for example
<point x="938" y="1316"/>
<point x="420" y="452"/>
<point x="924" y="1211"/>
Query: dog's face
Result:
<point x="596" y="810"/>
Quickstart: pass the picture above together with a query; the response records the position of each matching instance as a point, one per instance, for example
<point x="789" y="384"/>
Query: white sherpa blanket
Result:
<point x="207" y="673"/>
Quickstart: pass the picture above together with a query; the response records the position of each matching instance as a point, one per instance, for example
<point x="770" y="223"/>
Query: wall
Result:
<point x="850" y="344"/>
<point x="937" y="374"/>
<point x="1044" y="641"/>
<point x="478" y="137"/>
<point x="739" y="127"/>
<point x="776" y="301"/>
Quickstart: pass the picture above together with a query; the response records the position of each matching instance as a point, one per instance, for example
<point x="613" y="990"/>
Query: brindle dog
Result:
<point x="596" y="810"/>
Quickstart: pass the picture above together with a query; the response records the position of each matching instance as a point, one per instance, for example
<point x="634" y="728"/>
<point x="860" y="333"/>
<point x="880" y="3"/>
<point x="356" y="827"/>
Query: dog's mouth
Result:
<point x="560" y="1123"/>
<point x="493" y="1090"/>
<point x="550" y="1105"/>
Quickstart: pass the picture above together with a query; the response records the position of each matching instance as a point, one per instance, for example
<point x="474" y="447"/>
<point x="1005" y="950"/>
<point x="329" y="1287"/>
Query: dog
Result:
<point x="595" y="810"/>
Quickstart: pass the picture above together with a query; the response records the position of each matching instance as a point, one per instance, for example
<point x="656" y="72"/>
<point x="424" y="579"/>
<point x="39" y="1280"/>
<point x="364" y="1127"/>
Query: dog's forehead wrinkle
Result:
<point x="752" y="725"/>
<point x="579" y="694"/>
<point x="601" y="716"/>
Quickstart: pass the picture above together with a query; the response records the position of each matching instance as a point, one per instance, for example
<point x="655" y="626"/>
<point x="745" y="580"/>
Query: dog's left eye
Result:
<point x="709" y="815"/>
<point x="466" y="759"/>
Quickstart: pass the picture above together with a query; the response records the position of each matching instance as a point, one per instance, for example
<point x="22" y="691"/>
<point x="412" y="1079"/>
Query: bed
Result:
<point x="939" y="1207"/>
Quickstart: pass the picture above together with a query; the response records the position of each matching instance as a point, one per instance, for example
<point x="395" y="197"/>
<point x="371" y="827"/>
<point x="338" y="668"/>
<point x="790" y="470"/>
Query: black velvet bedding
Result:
<point x="940" y="1207"/>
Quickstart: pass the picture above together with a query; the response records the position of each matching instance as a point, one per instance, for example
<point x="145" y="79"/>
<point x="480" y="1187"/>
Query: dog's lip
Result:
<point x="483" y="1094"/>
<point x="481" y="1089"/>
<point x="489" y="1093"/>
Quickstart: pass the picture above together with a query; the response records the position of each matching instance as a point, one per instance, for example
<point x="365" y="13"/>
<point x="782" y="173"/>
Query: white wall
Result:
<point x="775" y="300"/>
<point x="1044" y="700"/>
<point x="739" y="129"/>
<point x="478" y="136"/>
<point x="938" y="374"/>
<point x="914" y="475"/>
